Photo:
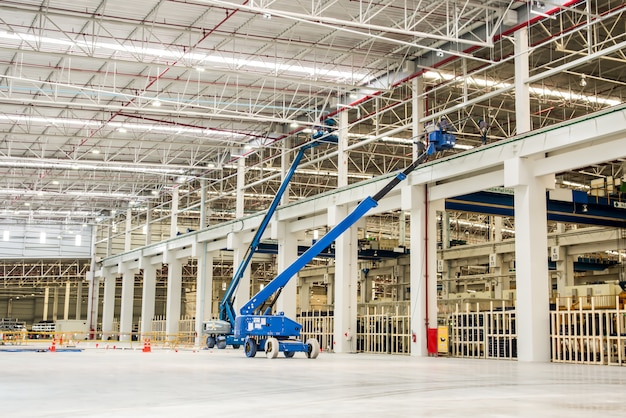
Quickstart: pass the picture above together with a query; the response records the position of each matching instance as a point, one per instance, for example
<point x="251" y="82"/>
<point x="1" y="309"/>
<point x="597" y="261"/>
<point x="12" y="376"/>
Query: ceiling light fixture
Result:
<point x="536" y="8"/>
<point x="583" y="80"/>
<point x="94" y="43"/>
<point x="156" y="103"/>
<point x="559" y="94"/>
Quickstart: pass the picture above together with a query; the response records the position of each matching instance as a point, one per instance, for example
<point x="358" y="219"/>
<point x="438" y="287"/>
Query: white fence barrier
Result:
<point x="581" y="333"/>
<point x="488" y="334"/>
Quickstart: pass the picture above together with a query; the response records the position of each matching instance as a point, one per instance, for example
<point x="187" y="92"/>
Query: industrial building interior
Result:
<point x="167" y="127"/>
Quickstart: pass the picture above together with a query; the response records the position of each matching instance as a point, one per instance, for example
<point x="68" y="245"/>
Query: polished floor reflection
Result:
<point x="202" y="383"/>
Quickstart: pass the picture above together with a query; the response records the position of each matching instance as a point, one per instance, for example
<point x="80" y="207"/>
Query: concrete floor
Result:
<point x="224" y="383"/>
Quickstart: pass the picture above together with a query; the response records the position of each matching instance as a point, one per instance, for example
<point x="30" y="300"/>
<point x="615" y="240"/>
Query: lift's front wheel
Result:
<point x="271" y="347"/>
<point x="250" y="347"/>
<point x="210" y="342"/>
<point x="313" y="348"/>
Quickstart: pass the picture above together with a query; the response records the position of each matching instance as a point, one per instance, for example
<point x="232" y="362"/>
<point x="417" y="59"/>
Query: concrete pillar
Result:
<point x="55" y="303"/>
<point x="46" y="301"/>
<point x="413" y="198"/>
<point x="109" y="237"/>
<point x="148" y="225"/>
<point x="501" y="283"/>
<point x="203" y="208"/>
<point x="93" y="298"/>
<point x="174" y="289"/>
<point x="531" y="259"/>
<point x="93" y="302"/>
<point x="497" y="229"/>
<point x="305" y="296"/>
<point x="148" y="297"/>
<point x="445" y="233"/>
<point x="285" y="164"/>
<point x="346" y="282"/>
<point x="66" y="301"/>
<point x="79" y="299"/>
<point x="174" y="214"/>
<point x="204" y="291"/>
<point x="128" y="234"/>
<point x="434" y="207"/>
<point x="417" y="105"/>
<point x="564" y="270"/>
<point x="342" y="156"/>
<point x="108" y="306"/>
<point x="402" y="227"/>
<point x="330" y="291"/>
<point x="126" y="307"/>
<point x="239" y="247"/>
<point x="366" y="288"/>
<point x="241" y="183"/>
<point x="522" y="91"/>
<point x="287" y="254"/>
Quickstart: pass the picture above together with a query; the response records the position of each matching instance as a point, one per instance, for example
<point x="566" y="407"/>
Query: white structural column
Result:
<point x="346" y="257"/>
<point x="204" y="291"/>
<point x="522" y="91"/>
<point x="148" y="297"/>
<point x="413" y="199"/>
<point x="66" y="302"/>
<point x="109" y="236"/>
<point x="55" y="303"/>
<point x="433" y="208"/>
<point x="94" y="287"/>
<point x="241" y="183"/>
<point x="287" y="253"/>
<point x="496" y="234"/>
<point x="93" y="303"/>
<point x="285" y="164"/>
<point x="128" y="234"/>
<point x="346" y="279"/>
<point x="174" y="214"/>
<point x="46" y="301"/>
<point x="305" y="295"/>
<point x="79" y="299"/>
<point x="174" y="288"/>
<point x="148" y="225"/>
<point x="126" y="307"/>
<point x="531" y="259"/>
<point x="287" y="248"/>
<point x="417" y="104"/>
<point x="239" y="247"/>
<point x="342" y="156"/>
<point x="236" y="243"/>
<point x="108" y="304"/>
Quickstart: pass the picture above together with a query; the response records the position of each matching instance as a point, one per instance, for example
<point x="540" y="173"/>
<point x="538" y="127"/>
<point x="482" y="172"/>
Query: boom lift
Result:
<point x="219" y="331"/>
<point x="258" y="328"/>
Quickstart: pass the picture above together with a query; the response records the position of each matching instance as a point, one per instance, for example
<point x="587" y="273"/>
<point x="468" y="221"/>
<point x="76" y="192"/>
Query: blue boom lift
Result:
<point x="258" y="328"/>
<point x="219" y="331"/>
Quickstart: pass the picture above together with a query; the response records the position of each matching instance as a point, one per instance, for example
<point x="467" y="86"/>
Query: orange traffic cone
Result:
<point x="53" y="349"/>
<point x="146" y="346"/>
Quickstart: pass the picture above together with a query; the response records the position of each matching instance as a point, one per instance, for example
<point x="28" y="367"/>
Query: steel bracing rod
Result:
<point x="283" y="278"/>
<point x="227" y="310"/>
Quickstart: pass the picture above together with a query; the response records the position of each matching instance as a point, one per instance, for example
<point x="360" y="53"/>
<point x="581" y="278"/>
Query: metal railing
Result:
<point x="584" y="333"/>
